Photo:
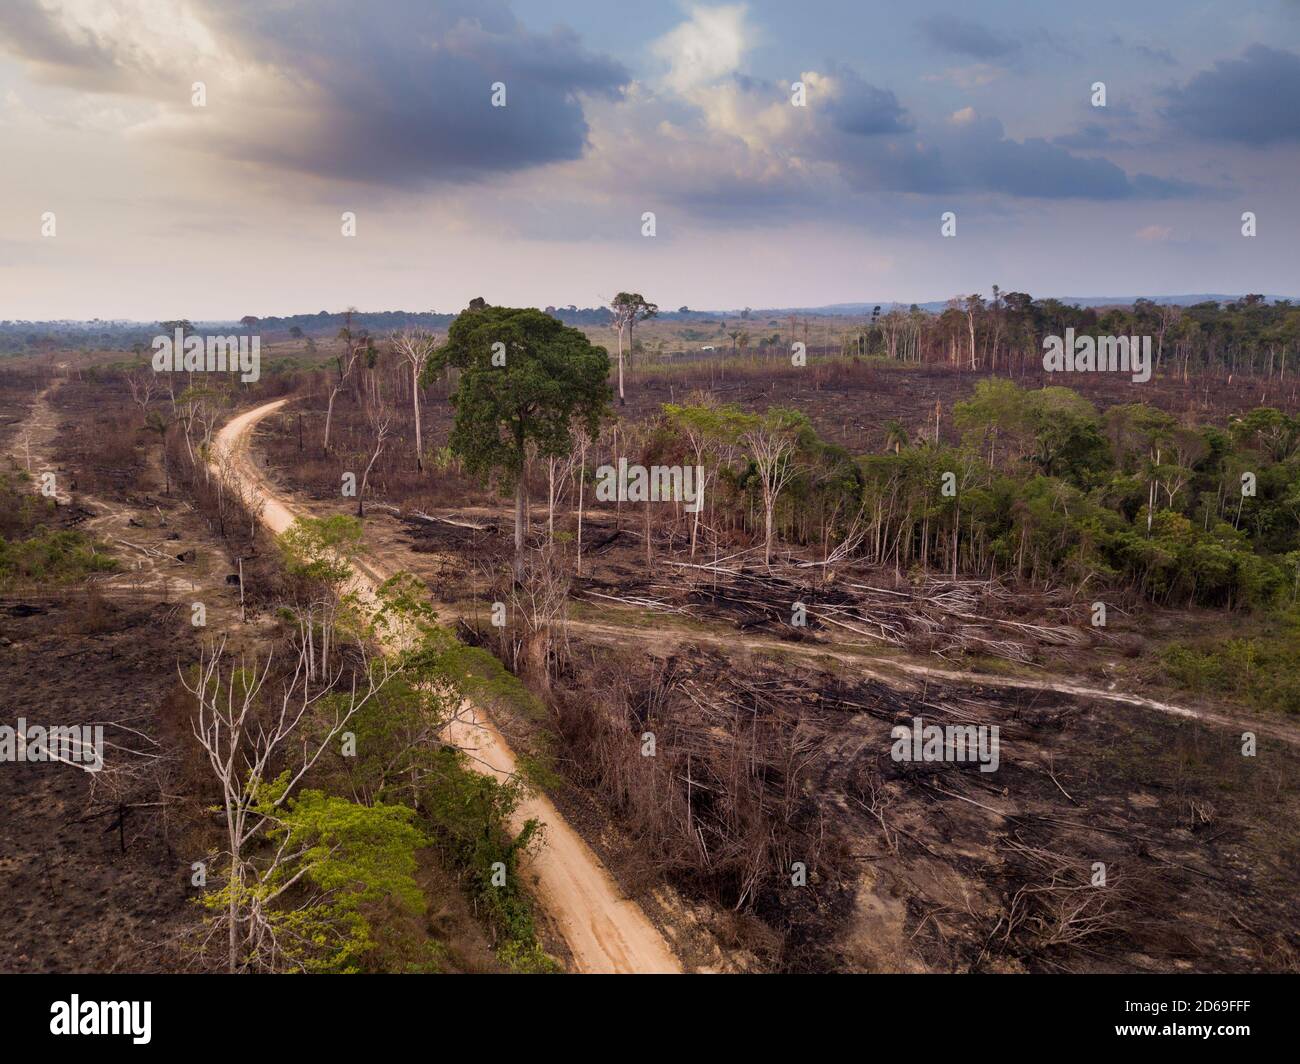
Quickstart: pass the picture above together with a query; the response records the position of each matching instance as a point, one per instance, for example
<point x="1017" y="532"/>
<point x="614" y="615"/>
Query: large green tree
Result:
<point x="525" y="378"/>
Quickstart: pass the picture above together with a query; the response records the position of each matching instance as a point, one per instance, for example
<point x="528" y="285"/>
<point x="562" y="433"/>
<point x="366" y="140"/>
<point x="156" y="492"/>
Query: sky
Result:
<point x="120" y="197"/>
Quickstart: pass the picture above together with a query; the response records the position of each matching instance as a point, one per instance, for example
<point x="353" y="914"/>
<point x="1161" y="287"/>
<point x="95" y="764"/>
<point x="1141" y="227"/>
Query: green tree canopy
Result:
<point x="526" y="378"/>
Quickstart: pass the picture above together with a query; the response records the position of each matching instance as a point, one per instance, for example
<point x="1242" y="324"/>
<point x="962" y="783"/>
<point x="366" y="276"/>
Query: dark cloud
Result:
<point x="963" y="37"/>
<point x="975" y="156"/>
<point x="1252" y="100"/>
<point x="984" y="159"/>
<point x="864" y="110"/>
<point x="393" y="94"/>
<point x="400" y="92"/>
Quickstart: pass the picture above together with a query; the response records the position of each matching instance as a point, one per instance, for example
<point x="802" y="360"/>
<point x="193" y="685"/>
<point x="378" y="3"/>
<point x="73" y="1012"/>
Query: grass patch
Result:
<point x="1261" y="671"/>
<point x="62" y="557"/>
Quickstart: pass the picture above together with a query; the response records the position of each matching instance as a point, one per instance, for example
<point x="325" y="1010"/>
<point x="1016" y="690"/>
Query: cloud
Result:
<point x="1251" y="100"/>
<point x="730" y="154"/>
<point x="963" y="37"/>
<point x="974" y="76"/>
<point x="856" y="107"/>
<point x="1151" y="53"/>
<point x="969" y="153"/>
<point x="853" y="136"/>
<point x="397" y="94"/>
<point x="1156" y="55"/>
<point x="118" y="46"/>
<point x="1155" y="234"/>
<point x="979" y="156"/>
<point x="1090" y="137"/>
<point x="706" y="47"/>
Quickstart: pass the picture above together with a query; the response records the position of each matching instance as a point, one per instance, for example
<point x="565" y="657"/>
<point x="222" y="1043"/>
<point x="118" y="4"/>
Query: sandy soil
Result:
<point x="606" y="931"/>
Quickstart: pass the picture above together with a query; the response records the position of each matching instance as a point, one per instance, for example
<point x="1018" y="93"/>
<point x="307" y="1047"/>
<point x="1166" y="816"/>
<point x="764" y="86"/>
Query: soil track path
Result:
<point x="886" y="670"/>
<point x="890" y="668"/>
<point x="145" y="542"/>
<point x="604" y="930"/>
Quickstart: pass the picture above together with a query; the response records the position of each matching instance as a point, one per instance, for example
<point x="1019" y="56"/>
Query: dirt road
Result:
<point x="606" y="931"/>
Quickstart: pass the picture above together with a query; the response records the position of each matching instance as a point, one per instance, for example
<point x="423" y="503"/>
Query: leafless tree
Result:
<point x="559" y="472"/>
<point x="380" y="420"/>
<point x="354" y="346"/>
<point x="538" y="599"/>
<point x="582" y="441"/>
<point x="206" y="406"/>
<point x="416" y="347"/>
<point x="143" y="388"/>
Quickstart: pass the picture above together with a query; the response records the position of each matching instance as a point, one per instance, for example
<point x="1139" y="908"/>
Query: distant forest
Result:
<point x="33" y="337"/>
<point x="1250" y="333"/>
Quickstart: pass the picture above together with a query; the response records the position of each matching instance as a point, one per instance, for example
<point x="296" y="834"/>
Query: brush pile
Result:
<point x="859" y="607"/>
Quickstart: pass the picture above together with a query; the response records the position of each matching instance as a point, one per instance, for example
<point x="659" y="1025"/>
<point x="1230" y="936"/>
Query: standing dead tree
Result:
<point x="207" y="406"/>
<point x="713" y="433"/>
<point x="538" y="599"/>
<point x="416" y="347"/>
<point x="560" y="470"/>
<point x="380" y="420"/>
<point x="583" y="441"/>
<point x="355" y="345"/>
<point x="143" y="386"/>
<point x="246" y="494"/>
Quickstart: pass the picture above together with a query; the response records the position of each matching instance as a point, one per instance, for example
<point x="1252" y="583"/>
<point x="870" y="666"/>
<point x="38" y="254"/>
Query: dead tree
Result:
<point x="416" y="347"/>
<point x="355" y="345"/>
<point x="583" y="441"/>
<point x="538" y="598"/>
<point x="143" y="386"/>
<point x="559" y="471"/>
<point x="380" y="420"/>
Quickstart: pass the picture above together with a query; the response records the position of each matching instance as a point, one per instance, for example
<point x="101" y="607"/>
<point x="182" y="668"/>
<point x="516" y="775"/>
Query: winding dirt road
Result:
<point x="605" y="931"/>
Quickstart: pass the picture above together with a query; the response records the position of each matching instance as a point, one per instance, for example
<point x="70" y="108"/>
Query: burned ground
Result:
<point x="939" y="867"/>
<point x="918" y="867"/>
<point x="772" y="741"/>
<point x="850" y="402"/>
<point x="96" y="868"/>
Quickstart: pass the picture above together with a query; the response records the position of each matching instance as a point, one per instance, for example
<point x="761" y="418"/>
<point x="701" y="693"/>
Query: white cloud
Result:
<point x="708" y="46"/>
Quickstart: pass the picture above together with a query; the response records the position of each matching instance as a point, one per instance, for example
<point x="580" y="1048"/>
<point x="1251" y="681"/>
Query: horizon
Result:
<point x="846" y="309"/>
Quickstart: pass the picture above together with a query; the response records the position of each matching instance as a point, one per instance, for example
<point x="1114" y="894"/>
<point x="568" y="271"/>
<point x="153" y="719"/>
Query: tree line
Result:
<point x="1004" y="333"/>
